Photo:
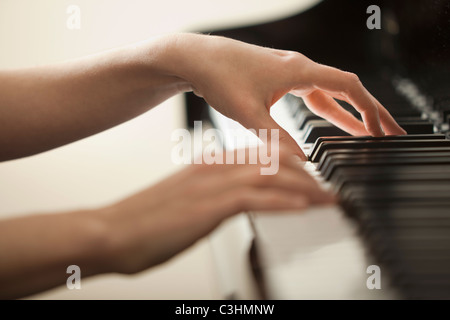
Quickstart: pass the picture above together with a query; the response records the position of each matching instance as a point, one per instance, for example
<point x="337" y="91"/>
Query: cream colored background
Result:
<point x="122" y="160"/>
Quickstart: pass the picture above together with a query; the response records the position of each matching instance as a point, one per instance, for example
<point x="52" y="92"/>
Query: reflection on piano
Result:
<point x="394" y="191"/>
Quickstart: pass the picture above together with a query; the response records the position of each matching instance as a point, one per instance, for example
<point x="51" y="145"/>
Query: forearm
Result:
<point x="45" y="107"/>
<point x="35" y="251"/>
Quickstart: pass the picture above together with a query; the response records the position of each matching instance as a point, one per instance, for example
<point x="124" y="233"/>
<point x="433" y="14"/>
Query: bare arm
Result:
<point x="147" y="228"/>
<point x="36" y="250"/>
<point x="46" y="107"/>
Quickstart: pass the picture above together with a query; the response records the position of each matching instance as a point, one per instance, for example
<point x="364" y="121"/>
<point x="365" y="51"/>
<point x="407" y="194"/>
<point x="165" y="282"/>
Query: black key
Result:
<point x="412" y="141"/>
<point x="384" y="248"/>
<point x="428" y="215"/>
<point x="445" y="112"/>
<point x="311" y="123"/>
<point x="328" y="153"/>
<point x="357" y="203"/>
<point x="417" y="127"/>
<point x="321" y="128"/>
<point x="398" y="192"/>
<point x="410" y="119"/>
<point x="398" y="109"/>
<point x="305" y="117"/>
<point x="391" y="177"/>
<point x="377" y="158"/>
<point x="398" y="113"/>
<point x="375" y="161"/>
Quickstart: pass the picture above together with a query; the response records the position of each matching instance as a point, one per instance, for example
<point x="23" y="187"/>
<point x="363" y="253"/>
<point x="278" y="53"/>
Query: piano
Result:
<point x="393" y="217"/>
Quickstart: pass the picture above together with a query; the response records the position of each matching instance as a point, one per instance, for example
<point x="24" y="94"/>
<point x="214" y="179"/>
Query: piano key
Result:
<point x="444" y="112"/>
<point x="417" y="127"/>
<point x="324" y="144"/>
<point x="397" y="193"/>
<point x="377" y="158"/>
<point x="358" y="203"/>
<point x="321" y="128"/>
<point x="385" y="252"/>
<point x="329" y="153"/>
<point x="305" y="117"/>
<point x="412" y="177"/>
<point x="400" y="187"/>
<point x="347" y="174"/>
<point x="359" y="138"/>
<point x="386" y="215"/>
<point x="314" y="127"/>
<point x="398" y="109"/>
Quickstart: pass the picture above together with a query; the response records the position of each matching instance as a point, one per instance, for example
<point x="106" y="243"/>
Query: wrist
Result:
<point x="121" y="252"/>
<point x="96" y="246"/>
<point x="184" y="56"/>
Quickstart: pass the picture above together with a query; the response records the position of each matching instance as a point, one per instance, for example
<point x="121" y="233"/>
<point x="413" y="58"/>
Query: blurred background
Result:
<point x="109" y="166"/>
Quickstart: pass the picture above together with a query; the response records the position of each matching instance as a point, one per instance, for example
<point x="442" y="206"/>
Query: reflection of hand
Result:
<point x="243" y="81"/>
<point x="155" y="224"/>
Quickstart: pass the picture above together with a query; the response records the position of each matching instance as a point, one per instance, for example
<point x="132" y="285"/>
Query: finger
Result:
<point x="289" y="176"/>
<point x="326" y="107"/>
<point x="299" y="183"/>
<point x="253" y="199"/>
<point x="265" y="121"/>
<point x="349" y="86"/>
<point x="390" y="126"/>
<point x="388" y="123"/>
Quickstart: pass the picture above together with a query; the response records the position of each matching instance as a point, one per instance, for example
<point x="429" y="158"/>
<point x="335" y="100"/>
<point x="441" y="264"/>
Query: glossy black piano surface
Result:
<point x="396" y="188"/>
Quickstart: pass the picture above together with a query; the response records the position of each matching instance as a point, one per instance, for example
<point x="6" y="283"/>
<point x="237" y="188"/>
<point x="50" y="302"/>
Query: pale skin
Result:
<point x="45" y="107"/>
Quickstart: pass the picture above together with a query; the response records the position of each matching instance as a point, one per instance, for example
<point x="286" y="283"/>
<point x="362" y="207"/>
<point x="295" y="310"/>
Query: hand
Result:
<point x="243" y="81"/>
<point x="152" y="226"/>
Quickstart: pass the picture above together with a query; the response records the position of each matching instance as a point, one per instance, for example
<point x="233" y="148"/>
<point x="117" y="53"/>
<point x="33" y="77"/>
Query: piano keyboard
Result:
<point x="394" y="207"/>
<point x="396" y="190"/>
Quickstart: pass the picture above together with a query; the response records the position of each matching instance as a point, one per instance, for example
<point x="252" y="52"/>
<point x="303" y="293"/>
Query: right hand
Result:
<point x="242" y="81"/>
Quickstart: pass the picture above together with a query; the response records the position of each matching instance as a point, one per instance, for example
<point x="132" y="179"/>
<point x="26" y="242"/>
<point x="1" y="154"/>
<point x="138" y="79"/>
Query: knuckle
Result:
<point x="352" y="83"/>
<point x="353" y="78"/>
<point x="302" y="65"/>
<point x="292" y="56"/>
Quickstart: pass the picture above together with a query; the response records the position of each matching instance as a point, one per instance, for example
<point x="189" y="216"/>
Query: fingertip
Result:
<point x="302" y="157"/>
<point x="330" y="198"/>
<point x="292" y="147"/>
<point x="398" y="131"/>
<point x="376" y="133"/>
